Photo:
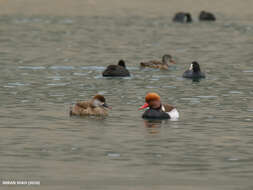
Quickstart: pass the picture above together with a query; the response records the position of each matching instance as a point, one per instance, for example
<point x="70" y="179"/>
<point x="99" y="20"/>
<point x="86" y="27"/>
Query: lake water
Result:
<point x="48" y="62"/>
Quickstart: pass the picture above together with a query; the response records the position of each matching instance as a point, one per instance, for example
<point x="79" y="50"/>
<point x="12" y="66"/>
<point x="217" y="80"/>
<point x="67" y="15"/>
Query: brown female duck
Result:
<point x="164" y="64"/>
<point x="95" y="107"/>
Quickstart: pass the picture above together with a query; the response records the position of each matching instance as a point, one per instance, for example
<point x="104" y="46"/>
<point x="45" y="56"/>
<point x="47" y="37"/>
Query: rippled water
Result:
<point x="47" y="63"/>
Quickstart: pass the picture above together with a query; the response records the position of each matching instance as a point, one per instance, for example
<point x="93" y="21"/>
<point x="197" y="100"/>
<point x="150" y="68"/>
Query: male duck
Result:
<point x="157" y="110"/>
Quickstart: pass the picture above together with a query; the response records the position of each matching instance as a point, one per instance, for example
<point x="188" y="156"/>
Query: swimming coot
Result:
<point x="194" y="71"/>
<point x="182" y="17"/>
<point x="206" y="16"/>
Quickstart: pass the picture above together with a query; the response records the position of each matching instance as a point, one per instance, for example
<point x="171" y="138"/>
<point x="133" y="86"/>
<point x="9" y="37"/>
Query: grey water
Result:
<point x="49" y="62"/>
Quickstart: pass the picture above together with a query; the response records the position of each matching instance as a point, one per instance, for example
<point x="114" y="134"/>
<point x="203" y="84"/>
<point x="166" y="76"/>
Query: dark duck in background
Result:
<point x="182" y="17"/>
<point x="206" y="16"/>
<point x="119" y="70"/>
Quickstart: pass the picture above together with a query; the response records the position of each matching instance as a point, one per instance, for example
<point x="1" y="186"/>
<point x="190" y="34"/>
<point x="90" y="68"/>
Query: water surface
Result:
<point x="49" y="62"/>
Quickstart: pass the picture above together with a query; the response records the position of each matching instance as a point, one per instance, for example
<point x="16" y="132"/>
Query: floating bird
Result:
<point x="116" y="70"/>
<point x="95" y="107"/>
<point x="206" y="16"/>
<point x="157" y="110"/>
<point x="164" y="64"/>
<point x="194" y="71"/>
<point x="182" y="17"/>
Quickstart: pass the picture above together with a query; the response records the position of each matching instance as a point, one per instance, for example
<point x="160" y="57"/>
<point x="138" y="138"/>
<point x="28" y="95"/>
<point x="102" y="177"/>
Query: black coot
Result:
<point x="194" y="71"/>
<point x="206" y="16"/>
<point x="182" y="17"/>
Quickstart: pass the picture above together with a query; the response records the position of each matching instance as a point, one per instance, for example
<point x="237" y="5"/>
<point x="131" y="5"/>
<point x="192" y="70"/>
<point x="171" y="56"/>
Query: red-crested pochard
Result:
<point x="157" y="110"/>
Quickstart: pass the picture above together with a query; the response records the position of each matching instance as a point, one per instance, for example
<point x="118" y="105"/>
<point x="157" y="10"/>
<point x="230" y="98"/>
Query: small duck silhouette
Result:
<point x="119" y="70"/>
<point x="157" y="110"/>
<point x="164" y="64"/>
<point x="206" y="16"/>
<point x="182" y="17"/>
<point x="194" y="71"/>
<point x="95" y="107"/>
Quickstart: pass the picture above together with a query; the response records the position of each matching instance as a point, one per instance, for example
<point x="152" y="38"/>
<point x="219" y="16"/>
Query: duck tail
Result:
<point x="174" y="114"/>
<point x="70" y="110"/>
<point x="143" y="64"/>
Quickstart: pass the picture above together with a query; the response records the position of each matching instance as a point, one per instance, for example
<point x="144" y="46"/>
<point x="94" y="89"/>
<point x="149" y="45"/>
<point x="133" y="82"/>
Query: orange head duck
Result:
<point x="97" y="106"/>
<point x="167" y="60"/>
<point x="157" y="110"/>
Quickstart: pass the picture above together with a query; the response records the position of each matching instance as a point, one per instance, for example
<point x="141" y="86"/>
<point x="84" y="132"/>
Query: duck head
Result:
<point x="122" y="63"/>
<point x="153" y="101"/>
<point x="167" y="59"/>
<point x="194" y="67"/>
<point x="188" y="17"/>
<point x="99" y="101"/>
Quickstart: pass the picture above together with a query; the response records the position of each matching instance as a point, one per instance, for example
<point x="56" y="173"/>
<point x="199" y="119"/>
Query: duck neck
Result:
<point x="196" y="70"/>
<point x="165" y="61"/>
<point x="158" y="108"/>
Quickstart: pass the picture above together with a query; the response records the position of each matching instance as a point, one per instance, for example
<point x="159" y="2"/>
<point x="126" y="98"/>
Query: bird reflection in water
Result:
<point x="153" y="126"/>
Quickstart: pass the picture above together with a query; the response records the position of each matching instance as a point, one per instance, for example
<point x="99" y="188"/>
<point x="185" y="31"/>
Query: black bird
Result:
<point x="116" y="70"/>
<point x="182" y="17"/>
<point x="194" y="71"/>
<point x="206" y="16"/>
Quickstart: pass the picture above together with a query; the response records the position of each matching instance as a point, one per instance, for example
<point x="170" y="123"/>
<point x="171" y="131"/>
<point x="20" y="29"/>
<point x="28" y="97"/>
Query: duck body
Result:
<point x="206" y="16"/>
<point x="159" y="64"/>
<point x="94" y="107"/>
<point x="85" y="108"/>
<point x="194" y="71"/>
<point x="155" y="65"/>
<point x="182" y="17"/>
<point x="166" y="111"/>
<point x="119" y="70"/>
<point x="192" y="74"/>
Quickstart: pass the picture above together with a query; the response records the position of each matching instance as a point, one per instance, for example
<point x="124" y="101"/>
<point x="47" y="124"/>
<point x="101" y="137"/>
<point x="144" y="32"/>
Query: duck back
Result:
<point x="155" y="114"/>
<point x="206" y="16"/>
<point x="86" y="109"/>
<point x="116" y="71"/>
<point x="155" y="65"/>
<point x="191" y="74"/>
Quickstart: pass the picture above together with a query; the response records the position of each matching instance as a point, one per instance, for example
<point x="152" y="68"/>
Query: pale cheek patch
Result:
<point x="190" y="67"/>
<point x="97" y="103"/>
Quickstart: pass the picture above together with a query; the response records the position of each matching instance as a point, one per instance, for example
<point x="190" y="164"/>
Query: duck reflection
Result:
<point x="153" y="126"/>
